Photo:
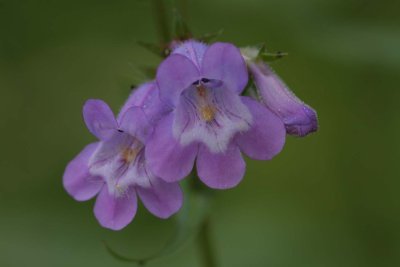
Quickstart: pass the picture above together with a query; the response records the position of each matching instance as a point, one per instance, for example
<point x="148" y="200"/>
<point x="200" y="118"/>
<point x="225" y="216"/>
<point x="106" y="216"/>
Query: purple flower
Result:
<point x="210" y="122"/>
<point x="147" y="97"/>
<point x="115" y="168"/>
<point x="299" y="118"/>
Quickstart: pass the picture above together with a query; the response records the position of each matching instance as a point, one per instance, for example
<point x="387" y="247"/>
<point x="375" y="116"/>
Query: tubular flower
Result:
<point x="115" y="168"/>
<point x="147" y="97"/>
<point x="209" y="121"/>
<point x="299" y="118"/>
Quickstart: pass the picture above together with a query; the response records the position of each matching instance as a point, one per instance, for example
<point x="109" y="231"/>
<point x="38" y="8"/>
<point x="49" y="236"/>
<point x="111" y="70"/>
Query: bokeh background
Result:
<point x="330" y="199"/>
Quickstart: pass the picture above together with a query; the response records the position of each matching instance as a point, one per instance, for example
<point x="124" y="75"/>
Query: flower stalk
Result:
<point x="205" y="245"/>
<point x="204" y="239"/>
<point x="162" y="21"/>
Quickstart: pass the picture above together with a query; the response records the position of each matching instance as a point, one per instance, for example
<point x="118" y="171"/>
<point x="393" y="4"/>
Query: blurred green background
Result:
<point x="330" y="199"/>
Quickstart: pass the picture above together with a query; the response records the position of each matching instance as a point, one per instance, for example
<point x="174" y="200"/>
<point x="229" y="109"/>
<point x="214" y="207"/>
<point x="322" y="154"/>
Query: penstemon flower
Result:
<point x="194" y="112"/>
<point x="115" y="168"/>
<point x="299" y="118"/>
<point x="209" y="122"/>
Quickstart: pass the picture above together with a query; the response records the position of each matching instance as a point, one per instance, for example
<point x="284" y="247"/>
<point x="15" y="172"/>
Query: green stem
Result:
<point x="161" y="20"/>
<point x="183" y="8"/>
<point x="205" y="245"/>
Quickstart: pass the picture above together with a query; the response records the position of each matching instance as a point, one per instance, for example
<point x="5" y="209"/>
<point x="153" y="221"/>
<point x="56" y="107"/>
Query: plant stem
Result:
<point x="183" y="8"/>
<point x="161" y="20"/>
<point x="205" y="245"/>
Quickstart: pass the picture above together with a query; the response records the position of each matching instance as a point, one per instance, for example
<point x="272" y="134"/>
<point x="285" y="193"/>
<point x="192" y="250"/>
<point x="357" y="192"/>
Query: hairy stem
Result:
<point x="205" y="245"/>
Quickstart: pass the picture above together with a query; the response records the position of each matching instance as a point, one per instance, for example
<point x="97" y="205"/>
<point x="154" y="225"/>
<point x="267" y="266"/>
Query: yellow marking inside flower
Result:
<point x="119" y="189"/>
<point x="129" y="154"/>
<point x="207" y="113"/>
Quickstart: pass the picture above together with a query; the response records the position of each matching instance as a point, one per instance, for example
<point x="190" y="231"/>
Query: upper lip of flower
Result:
<point x="220" y="62"/>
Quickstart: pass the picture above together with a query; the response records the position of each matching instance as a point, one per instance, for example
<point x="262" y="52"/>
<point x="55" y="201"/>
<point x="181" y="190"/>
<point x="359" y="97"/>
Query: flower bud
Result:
<point x="299" y="118"/>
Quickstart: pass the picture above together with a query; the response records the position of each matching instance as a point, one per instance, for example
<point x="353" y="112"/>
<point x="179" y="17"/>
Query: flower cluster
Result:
<point x="193" y="113"/>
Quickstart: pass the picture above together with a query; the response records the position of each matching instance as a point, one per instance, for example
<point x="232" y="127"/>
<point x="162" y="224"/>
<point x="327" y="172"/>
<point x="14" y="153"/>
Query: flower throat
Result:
<point x="207" y="111"/>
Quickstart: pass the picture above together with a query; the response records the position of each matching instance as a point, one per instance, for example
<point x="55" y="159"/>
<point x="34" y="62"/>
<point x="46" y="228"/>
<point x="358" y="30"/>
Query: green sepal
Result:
<point x="250" y="90"/>
<point x="266" y="56"/>
<point x="181" y="29"/>
<point x="159" y="50"/>
<point x="269" y="57"/>
<point x="208" y="37"/>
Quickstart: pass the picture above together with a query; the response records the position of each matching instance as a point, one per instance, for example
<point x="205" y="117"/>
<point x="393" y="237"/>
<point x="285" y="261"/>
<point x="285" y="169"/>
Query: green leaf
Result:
<point x="120" y="257"/>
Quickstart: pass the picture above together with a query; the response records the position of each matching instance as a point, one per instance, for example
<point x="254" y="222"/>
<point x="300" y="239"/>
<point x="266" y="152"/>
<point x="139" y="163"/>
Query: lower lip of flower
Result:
<point x="120" y="190"/>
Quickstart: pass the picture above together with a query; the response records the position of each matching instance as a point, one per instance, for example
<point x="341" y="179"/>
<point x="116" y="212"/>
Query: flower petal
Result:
<point x="220" y="170"/>
<point x="166" y="157"/>
<point x="99" y="119"/>
<point x="162" y="199"/>
<point x="147" y="97"/>
<point x="193" y="50"/>
<point x="212" y="117"/>
<point x="135" y="122"/>
<point x="223" y="61"/>
<point x="266" y="136"/>
<point x="77" y="180"/>
<point x="175" y="74"/>
<point x="115" y="212"/>
<point x="138" y="96"/>
<point x="304" y="123"/>
<point x="299" y="118"/>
